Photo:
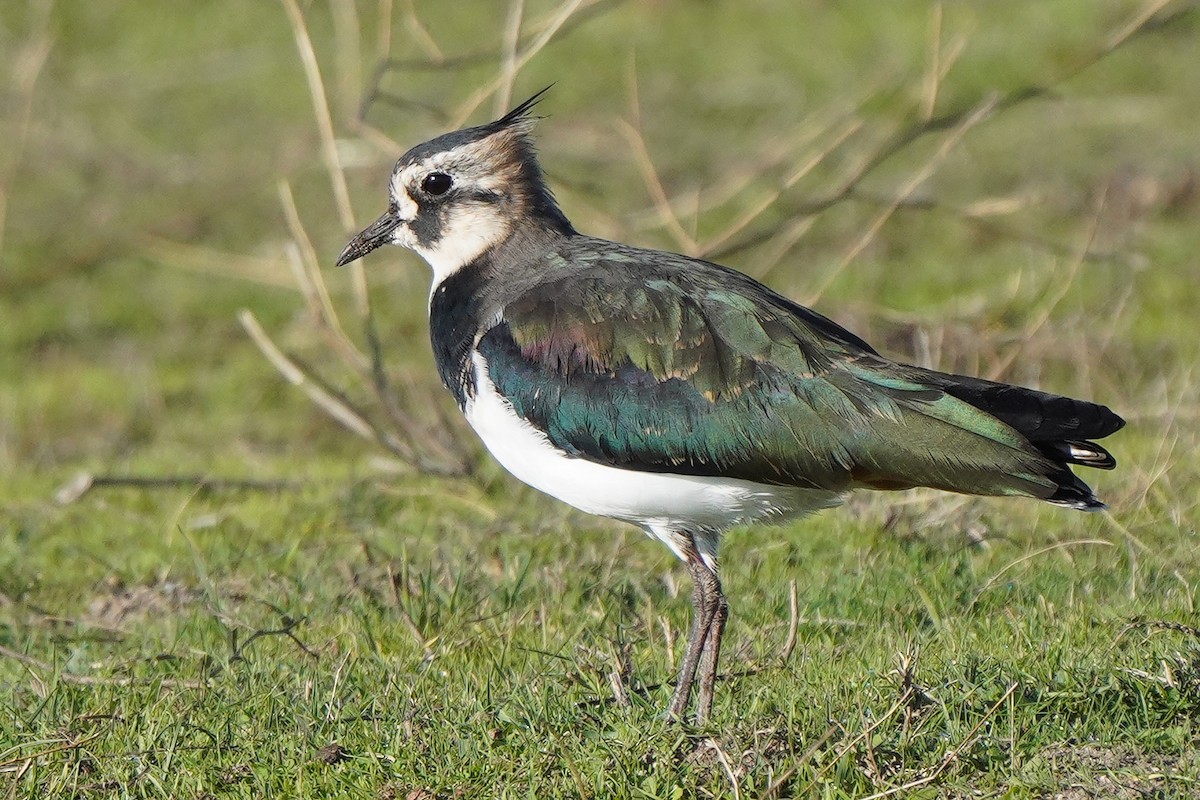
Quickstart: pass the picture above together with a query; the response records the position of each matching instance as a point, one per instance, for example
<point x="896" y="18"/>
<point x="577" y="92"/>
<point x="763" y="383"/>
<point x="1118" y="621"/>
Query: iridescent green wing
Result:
<point x="681" y="366"/>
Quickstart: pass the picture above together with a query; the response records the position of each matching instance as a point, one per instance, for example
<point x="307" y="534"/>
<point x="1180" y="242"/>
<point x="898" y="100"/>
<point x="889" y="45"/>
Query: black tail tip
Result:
<point x="1076" y="494"/>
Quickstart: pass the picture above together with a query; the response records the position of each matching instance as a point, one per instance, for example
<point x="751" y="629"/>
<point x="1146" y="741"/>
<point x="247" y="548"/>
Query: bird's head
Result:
<point x="455" y="197"/>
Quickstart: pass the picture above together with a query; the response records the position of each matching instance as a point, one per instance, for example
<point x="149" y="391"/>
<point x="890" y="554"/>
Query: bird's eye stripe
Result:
<point x="485" y="196"/>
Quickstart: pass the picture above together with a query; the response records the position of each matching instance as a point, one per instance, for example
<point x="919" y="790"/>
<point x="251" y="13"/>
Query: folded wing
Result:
<point x="697" y="370"/>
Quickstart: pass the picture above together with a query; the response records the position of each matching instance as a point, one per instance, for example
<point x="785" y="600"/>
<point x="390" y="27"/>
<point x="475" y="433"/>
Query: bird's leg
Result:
<point x="699" y="632"/>
<point x="712" y="648"/>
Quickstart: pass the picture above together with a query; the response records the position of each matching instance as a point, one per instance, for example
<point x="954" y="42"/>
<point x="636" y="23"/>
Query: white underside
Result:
<point x="668" y="507"/>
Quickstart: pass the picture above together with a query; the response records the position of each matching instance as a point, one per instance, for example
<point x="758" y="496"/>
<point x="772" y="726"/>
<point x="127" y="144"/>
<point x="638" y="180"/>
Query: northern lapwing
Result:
<point x="681" y="396"/>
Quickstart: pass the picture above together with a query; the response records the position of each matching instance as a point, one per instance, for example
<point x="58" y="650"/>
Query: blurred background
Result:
<point x="1002" y="189"/>
<point x="146" y="146"/>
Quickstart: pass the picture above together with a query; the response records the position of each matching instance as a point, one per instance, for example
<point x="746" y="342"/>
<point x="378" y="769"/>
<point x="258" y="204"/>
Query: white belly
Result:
<point x="658" y="502"/>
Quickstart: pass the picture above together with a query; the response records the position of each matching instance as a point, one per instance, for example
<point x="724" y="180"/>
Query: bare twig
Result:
<point x="508" y="59"/>
<point x="1063" y="286"/>
<point x="84" y="482"/>
<point x="832" y="143"/>
<point x="556" y="20"/>
<point x="982" y="215"/>
<point x="776" y="787"/>
<point x="210" y="261"/>
<point x="335" y="406"/>
<point x="934" y="73"/>
<point x="383" y="29"/>
<point x="941" y="59"/>
<point x="316" y="87"/>
<point x="633" y="134"/>
<point x="70" y="744"/>
<point x="370" y="368"/>
<point x="1146" y="20"/>
<point x="337" y="179"/>
<point x="968" y="122"/>
<point x="348" y="64"/>
<point x="333" y="165"/>
<point x="414" y="442"/>
<point x="307" y="273"/>
<point x="782" y="243"/>
<point x="421" y="33"/>
<point x="424" y="443"/>
<point x="92" y="680"/>
<point x="437" y="62"/>
<point x="24" y="69"/>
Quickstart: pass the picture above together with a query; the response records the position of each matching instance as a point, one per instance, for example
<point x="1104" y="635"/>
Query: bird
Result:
<point x="682" y="396"/>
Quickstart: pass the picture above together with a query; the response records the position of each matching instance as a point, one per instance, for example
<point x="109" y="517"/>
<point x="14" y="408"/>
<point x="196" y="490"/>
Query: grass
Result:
<point x="370" y="631"/>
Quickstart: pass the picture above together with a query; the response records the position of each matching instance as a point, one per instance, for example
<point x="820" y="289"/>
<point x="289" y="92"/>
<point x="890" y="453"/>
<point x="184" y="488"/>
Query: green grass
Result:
<point x="462" y="637"/>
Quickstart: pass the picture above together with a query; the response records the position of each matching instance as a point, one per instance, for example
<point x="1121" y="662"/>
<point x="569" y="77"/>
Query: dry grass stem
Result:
<point x="923" y="174"/>
<point x="84" y="482"/>
<point x="307" y="272"/>
<point x="396" y="582"/>
<point x="779" y="783"/>
<point x="789" y="644"/>
<point x="24" y="69"/>
<point x="934" y="72"/>
<point x="941" y="61"/>
<point x="424" y="38"/>
<point x="508" y="57"/>
<point x="316" y="88"/>
<point x="383" y="29"/>
<point x="1147" y="19"/>
<point x="992" y="581"/>
<point x="216" y="263"/>
<point x="778" y="246"/>
<point x="900" y="705"/>
<point x="555" y="21"/>
<point x="726" y="766"/>
<point x="329" y="150"/>
<point x="1137" y="24"/>
<point x="832" y="143"/>
<point x="23" y="762"/>
<point x="347" y="35"/>
<point x="380" y="140"/>
<point x="633" y="134"/>
<point x="951" y="756"/>
<point x="90" y="680"/>
<point x="410" y="440"/>
<point x="1062" y="287"/>
<point x="775" y="157"/>
<point x="336" y="407"/>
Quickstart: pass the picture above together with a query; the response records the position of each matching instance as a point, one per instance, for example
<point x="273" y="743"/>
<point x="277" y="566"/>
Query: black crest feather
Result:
<point x="521" y="112"/>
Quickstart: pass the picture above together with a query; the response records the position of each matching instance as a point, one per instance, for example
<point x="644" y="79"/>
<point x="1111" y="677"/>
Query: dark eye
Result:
<point x="436" y="183"/>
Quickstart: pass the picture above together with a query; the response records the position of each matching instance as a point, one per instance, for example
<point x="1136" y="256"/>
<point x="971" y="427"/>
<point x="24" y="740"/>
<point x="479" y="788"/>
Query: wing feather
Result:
<point x="690" y="368"/>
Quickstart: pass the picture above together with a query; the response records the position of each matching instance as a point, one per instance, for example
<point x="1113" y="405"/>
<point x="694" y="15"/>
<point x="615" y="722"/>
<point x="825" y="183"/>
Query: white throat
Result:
<point x="467" y="234"/>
